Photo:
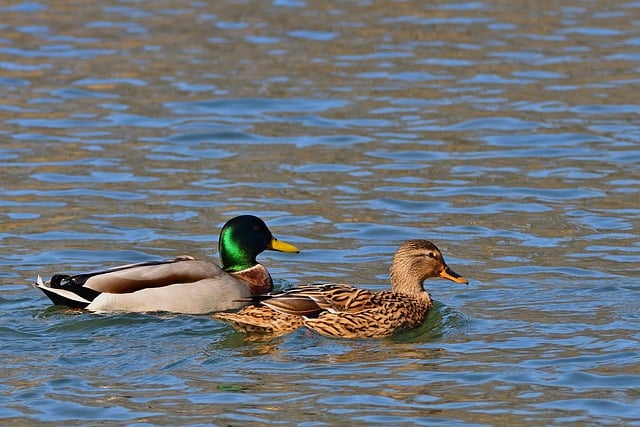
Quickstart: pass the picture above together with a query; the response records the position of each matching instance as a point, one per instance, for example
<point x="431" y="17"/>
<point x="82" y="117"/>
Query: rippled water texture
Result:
<point x="505" y="132"/>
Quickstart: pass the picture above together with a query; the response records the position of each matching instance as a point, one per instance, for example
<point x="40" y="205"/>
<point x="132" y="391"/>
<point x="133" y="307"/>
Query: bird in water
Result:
<point x="180" y="285"/>
<point x="344" y="311"/>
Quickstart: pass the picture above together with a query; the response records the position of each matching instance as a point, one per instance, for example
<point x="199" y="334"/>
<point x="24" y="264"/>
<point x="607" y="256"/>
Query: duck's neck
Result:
<point x="257" y="277"/>
<point x="234" y="257"/>
<point x="403" y="283"/>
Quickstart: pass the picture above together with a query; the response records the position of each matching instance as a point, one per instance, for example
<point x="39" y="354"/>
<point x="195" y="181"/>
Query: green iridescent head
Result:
<point x="243" y="238"/>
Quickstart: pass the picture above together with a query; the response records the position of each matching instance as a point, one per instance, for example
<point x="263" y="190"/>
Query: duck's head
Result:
<point x="243" y="238"/>
<point x="414" y="262"/>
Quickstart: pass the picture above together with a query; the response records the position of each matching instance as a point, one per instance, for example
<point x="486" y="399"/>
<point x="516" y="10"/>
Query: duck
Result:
<point x="180" y="285"/>
<point x="345" y="311"/>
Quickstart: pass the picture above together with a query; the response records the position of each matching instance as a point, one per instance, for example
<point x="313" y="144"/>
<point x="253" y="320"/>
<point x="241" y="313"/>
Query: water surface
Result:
<point x="506" y="133"/>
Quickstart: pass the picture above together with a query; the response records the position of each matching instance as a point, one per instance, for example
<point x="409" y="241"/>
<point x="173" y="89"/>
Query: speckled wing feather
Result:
<point x="311" y="300"/>
<point x="386" y="314"/>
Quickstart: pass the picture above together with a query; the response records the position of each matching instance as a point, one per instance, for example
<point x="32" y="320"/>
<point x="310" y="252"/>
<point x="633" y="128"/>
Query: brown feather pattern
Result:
<point x="338" y="310"/>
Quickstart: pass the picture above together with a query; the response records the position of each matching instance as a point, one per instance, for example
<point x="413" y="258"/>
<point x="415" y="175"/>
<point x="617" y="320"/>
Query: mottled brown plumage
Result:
<point x="349" y="312"/>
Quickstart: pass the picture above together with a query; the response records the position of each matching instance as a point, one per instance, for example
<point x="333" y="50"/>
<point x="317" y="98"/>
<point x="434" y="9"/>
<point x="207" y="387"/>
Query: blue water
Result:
<point x="505" y="133"/>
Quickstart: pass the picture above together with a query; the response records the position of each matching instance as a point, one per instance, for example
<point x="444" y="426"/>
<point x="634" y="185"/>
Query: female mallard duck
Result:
<point x="348" y="312"/>
<point x="180" y="285"/>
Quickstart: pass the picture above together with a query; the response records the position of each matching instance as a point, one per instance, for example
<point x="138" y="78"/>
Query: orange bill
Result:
<point x="449" y="274"/>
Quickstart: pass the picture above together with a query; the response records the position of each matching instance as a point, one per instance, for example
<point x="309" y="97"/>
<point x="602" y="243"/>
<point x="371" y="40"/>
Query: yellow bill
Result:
<point x="280" y="246"/>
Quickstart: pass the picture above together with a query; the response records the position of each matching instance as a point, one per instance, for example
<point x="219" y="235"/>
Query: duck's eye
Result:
<point x="431" y="255"/>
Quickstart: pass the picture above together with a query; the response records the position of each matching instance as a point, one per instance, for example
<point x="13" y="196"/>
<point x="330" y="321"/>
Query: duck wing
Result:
<point x="135" y="277"/>
<point x="385" y="316"/>
<point x="311" y="300"/>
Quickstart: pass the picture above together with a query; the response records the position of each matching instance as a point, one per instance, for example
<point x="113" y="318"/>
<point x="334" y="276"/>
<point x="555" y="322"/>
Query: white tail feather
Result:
<point x="62" y="292"/>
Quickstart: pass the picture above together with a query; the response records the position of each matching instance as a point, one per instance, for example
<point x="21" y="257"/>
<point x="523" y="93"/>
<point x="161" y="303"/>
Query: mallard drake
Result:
<point x="180" y="285"/>
<point x="338" y="310"/>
